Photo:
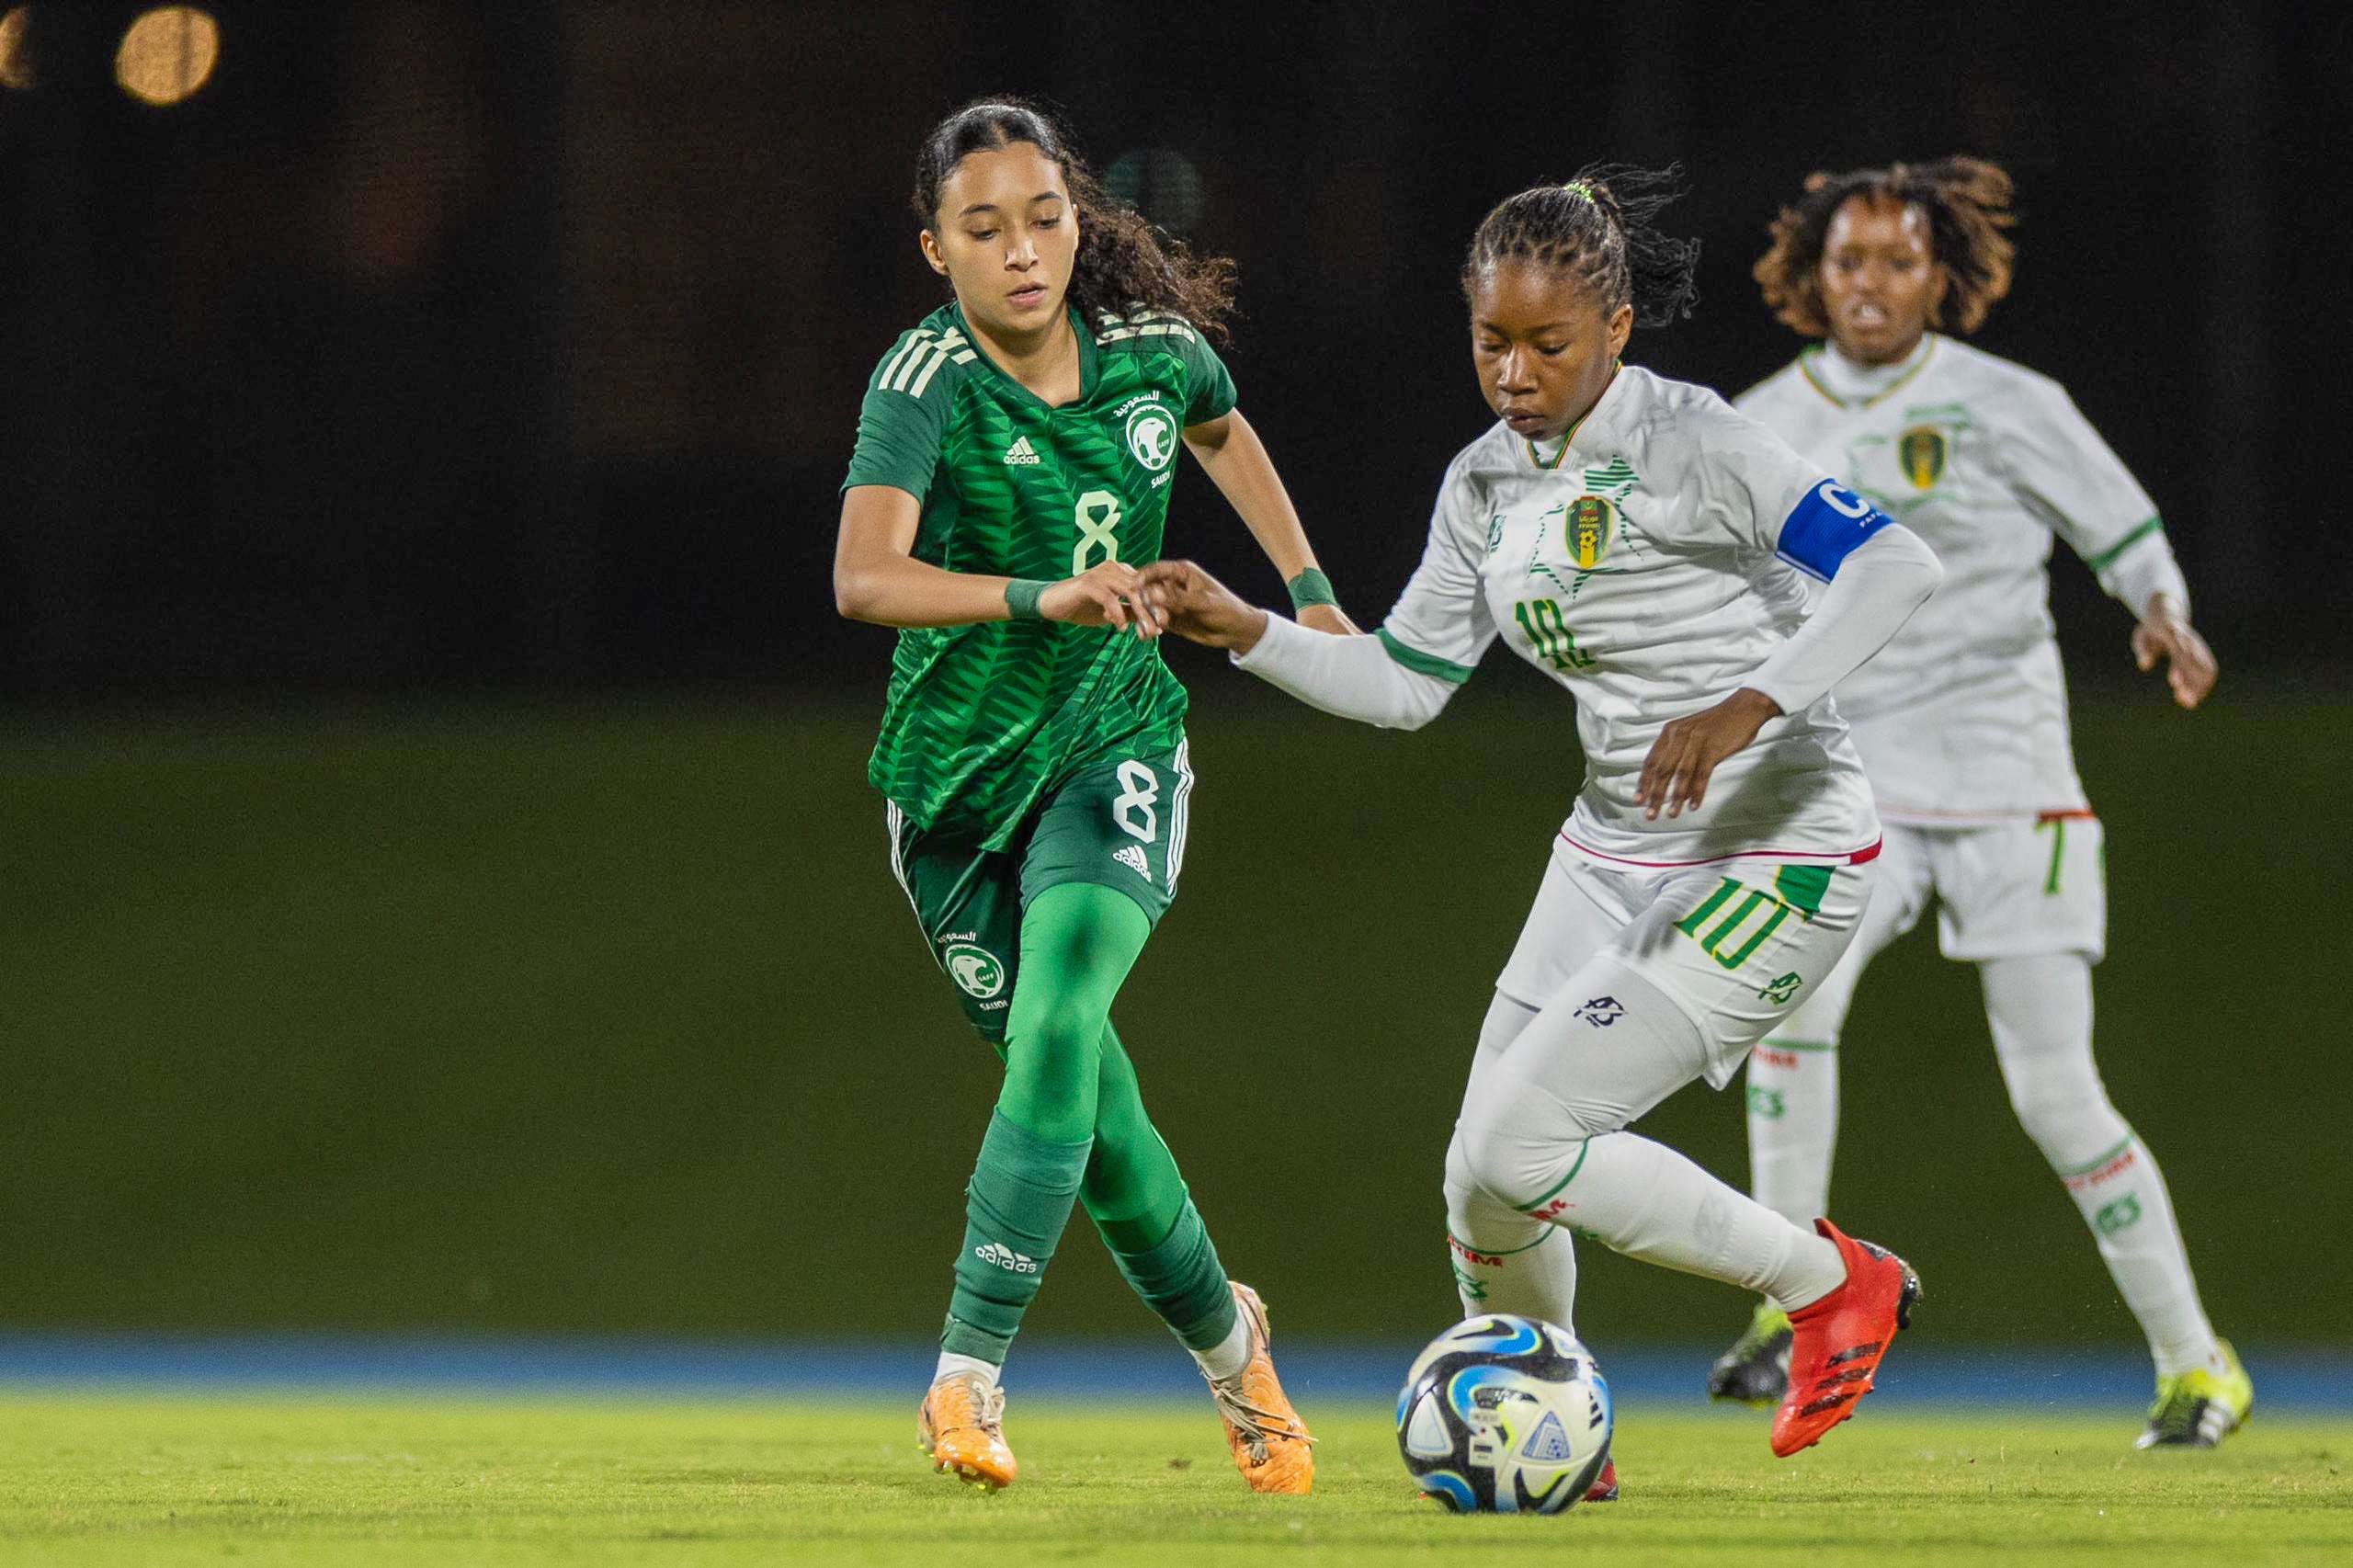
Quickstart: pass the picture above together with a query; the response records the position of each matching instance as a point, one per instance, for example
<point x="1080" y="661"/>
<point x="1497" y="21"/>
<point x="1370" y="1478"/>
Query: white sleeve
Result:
<point x="2075" y="484"/>
<point x="1879" y="583"/>
<point x="2141" y="569"/>
<point x="1353" y="677"/>
<point x="1400" y="677"/>
<point x="1439" y="625"/>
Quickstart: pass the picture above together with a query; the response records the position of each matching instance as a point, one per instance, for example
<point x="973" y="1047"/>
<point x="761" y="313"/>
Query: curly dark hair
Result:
<point x="1967" y="202"/>
<point x="1598" y="226"/>
<point x="1123" y="261"/>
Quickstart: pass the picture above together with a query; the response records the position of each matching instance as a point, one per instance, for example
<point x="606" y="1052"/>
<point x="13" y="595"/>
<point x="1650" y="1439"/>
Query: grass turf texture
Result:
<point x="149" y="1480"/>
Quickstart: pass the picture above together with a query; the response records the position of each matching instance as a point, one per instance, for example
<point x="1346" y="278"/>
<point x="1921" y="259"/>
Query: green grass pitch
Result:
<point x="102" y="1481"/>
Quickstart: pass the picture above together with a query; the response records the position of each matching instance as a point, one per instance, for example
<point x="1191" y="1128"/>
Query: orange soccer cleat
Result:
<point x="1270" y="1444"/>
<point x="961" y="1427"/>
<point x="1840" y="1340"/>
<point x="1605" y="1485"/>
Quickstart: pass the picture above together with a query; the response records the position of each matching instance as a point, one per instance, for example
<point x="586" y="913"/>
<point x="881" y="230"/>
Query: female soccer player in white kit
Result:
<point x="1961" y="721"/>
<point x="1647" y="548"/>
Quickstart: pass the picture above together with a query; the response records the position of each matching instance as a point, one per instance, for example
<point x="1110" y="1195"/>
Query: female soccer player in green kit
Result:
<point x="1014" y="457"/>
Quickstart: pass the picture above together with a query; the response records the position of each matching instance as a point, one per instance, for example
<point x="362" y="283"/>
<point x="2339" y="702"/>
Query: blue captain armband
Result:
<point x="1826" y="527"/>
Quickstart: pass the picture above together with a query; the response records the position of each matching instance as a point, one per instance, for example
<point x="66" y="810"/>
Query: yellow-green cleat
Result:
<point x="2197" y="1409"/>
<point x="1755" y="1370"/>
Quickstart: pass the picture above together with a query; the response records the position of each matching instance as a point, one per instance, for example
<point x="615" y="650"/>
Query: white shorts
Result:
<point x="2008" y="889"/>
<point x="1737" y="945"/>
<point x="2004" y="890"/>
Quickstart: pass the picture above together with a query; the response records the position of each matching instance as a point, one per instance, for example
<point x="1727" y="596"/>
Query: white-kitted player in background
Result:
<point x="1962" y="722"/>
<point x="1648" y="549"/>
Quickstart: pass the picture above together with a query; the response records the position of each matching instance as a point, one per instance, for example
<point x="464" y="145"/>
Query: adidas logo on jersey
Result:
<point x="1005" y="1257"/>
<point x="1133" y="859"/>
<point x="1021" y="451"/>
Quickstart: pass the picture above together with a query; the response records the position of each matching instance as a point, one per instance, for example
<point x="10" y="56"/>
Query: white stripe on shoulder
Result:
<point x="931" y="369"/>
<point x="914" y="362"/>
<point x="1145" y="324"/>
<point x="915" y="340"/>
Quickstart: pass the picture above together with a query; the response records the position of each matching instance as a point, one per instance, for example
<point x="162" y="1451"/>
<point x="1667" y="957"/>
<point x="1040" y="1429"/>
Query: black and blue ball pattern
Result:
<point x="1504" y="1415"/>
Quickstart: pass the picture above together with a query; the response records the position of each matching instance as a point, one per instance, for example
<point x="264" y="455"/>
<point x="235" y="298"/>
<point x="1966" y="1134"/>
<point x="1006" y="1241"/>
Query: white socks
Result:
<point x="951" y="1364"/>
<point x="1648" y="1202"/>
<point x="2040" y="1010"/>
<point x="1228" y="1356"/>
<point x="1793" y="1125"/>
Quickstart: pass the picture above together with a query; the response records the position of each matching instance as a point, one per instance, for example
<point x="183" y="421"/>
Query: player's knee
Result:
<point x="1509" y="1166"/>
<point x="1463" y="1189"/>
<point x="1056" y="1060"/>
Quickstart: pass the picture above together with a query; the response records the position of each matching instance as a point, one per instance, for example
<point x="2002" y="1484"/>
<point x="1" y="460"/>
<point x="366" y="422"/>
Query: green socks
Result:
<point x="1138" y="1201"/>
<point x="1020" y="1200"/>
<point x="1179" y="1278"/>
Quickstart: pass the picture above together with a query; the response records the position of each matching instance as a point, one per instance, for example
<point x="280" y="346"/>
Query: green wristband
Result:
<point x="1021" y="597"/>
<point x="1312" y="587"/>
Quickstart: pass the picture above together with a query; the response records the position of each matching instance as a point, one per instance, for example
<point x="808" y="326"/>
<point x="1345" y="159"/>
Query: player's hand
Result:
<point x="2165" y="633"/>
<point x="1108" y="595"/>
<point x="1198" y="607"/>
<point x="1675" y="775"/>
<point x="1329" y="618"/>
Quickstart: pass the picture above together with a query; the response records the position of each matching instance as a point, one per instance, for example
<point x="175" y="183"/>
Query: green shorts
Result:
<point x="1117" y="823"/>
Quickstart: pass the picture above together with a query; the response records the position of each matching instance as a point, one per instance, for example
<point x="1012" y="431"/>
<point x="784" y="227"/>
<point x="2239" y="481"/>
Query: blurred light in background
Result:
<point x="1159" y="182"/>
<point x="168" y="54"/>
<point x="16" y="48"/>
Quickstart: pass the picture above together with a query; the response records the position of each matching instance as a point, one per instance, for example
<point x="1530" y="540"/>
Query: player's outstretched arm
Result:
<point x="1230" y="452"/>
<point x="1352" y="675"/>
<point x="877" y="580"/>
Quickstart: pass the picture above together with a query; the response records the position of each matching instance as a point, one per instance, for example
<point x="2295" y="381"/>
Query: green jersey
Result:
<point x="984" y="721"/>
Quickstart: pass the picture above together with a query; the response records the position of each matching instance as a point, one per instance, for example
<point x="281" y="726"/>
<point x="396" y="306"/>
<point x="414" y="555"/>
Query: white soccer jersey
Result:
<point x="1963" y="717"/>
<point x="1650" y="563"/>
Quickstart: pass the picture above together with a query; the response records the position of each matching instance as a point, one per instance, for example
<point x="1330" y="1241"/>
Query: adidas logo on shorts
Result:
<point x="1005" y="1257"/>
<point x="1020" y="452"/>
<point x="1133" y="859"/>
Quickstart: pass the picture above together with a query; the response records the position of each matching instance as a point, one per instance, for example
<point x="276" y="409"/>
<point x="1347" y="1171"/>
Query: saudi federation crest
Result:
<point x="975" y="970"/>
<point x="1592" y="524"/>
<point x="1921" y="453"/>
<point x="1152" y="436"/>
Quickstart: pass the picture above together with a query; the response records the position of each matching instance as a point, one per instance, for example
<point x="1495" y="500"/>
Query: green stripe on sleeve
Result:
<point x="1424" y="664"/>
<point x="2101" y="561"/>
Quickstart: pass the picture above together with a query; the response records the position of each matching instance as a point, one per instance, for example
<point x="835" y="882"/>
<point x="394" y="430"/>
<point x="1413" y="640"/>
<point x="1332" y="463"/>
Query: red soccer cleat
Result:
<point x="1841" y="1339"/>
<point x="1605" y="1485"/>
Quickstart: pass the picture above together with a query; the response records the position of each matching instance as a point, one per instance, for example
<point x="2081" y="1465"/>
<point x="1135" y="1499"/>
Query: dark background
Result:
<point x="441" y="889"/>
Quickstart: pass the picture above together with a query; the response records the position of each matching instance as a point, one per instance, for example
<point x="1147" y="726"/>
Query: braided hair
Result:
<point x="1598" y="227"/>
<point x="1967" y="204"/>
<point x="1123" y="261"/>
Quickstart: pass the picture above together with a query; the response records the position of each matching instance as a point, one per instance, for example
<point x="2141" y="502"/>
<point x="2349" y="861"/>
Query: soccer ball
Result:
<point x="1504" y="1415"/>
